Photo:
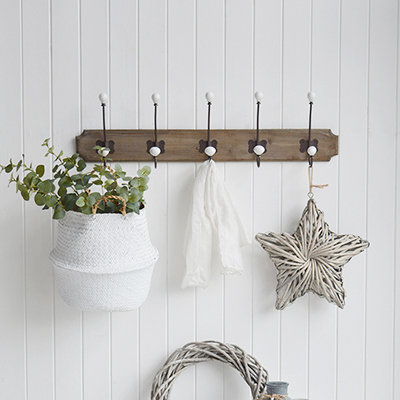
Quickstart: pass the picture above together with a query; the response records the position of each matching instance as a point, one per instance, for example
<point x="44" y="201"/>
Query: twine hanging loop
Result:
<point x="310" y="182"/>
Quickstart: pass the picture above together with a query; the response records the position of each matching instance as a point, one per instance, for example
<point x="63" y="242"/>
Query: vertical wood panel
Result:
<point x="396" y="371"/>
<point x="181" y="81"/>
<point x="151" y="79"/>
<point x="66" y="120"/>
<point x="181" y="302"/>
<point x="266" y="191"/>
<point x="381" y="137"/>
<point x="123" y="64"/>
<point x="325" y="81"/>
<point x="296" y="75"/>
<point x="210" y="77"/>
<point x="37" y="127"/>
<point x="153" y="313"/>
<point x="95" y="80"/>
<point x="152" y="60"/>
<point x="239" y="113"/>
<point x="125" y="354"/>
<point x="12" y="297"/>
<point x="352" y="193"/>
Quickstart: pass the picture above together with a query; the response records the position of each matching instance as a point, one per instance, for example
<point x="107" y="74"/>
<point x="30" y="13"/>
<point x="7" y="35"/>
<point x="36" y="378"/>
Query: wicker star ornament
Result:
<point x="310" y="260"/>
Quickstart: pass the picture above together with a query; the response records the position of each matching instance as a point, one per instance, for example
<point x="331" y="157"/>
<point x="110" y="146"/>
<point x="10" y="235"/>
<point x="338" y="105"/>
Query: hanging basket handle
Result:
<point x="111" y="197"/>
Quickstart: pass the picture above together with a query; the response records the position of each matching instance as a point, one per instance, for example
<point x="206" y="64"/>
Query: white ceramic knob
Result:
<point x="258" y="95"/>
<point x="311" y="97"/>
<point x="155" y="97"/>
<point x="312" y="150"/>
<point x="155" y="151"/>
<point x="259" y="149"/>
<point x="210" y="151"/>
<point x="209" y="96"/>
<point x="103" y="98"/>
<point x="103" y="151"/>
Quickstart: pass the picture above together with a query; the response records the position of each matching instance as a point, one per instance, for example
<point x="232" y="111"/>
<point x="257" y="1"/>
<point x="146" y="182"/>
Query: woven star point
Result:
<point x="310" y="260"/>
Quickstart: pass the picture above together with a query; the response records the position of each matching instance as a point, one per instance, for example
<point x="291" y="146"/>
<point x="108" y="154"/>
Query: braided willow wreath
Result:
<point x="192" y="353"/>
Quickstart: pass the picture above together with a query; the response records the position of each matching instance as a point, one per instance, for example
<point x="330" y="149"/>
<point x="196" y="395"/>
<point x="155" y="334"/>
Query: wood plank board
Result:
<point x="183" y="145"/>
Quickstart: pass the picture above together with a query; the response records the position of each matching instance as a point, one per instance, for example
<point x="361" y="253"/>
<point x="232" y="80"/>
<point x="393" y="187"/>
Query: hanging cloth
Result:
<point x="213" y="223"/>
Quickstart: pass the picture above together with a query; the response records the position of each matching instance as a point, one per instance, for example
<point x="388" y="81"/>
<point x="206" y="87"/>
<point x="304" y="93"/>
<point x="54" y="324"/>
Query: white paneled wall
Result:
<point x="57" y="56"/>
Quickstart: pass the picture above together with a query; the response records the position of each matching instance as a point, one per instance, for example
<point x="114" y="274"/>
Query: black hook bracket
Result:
<point x="110" y="145"/>
<point x="205" y="143"/>
<point x="160" y="145"/>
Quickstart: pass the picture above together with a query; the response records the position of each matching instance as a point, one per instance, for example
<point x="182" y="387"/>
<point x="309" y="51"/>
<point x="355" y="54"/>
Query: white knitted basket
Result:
<point x="103" y="261"/>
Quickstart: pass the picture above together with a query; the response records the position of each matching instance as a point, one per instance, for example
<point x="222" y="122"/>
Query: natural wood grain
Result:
<point x="183" y="145"/>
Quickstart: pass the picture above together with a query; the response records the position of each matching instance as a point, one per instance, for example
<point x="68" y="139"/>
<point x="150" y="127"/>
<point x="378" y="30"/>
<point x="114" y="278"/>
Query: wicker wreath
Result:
<point x="192" y="353"/>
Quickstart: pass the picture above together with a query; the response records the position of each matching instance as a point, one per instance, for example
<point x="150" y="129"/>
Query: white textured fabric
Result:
<point x="103" y="261"/>
<point x="214" y="233"/>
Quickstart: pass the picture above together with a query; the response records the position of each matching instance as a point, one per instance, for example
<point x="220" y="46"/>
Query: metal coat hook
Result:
<point x="208" y="147"/>
<point x="157" y="147"/>
<point x="311" y="146"/>
<point x="105" y="150"/>
<point x="256" y="146"/>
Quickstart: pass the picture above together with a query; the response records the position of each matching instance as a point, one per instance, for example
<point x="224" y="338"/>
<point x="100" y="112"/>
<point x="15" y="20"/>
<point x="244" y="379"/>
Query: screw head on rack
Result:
<point x="311" y="151"/>
<point x="103" y="98"/>
<point x="259" y="149"/>
<point x="155" y="151"/>
<point x="311" y="96"/>
<point x="209" y="96"/>
<point x="155" y="97"/>
<point x="210" y="151"/>
<point x="258" y="96"/>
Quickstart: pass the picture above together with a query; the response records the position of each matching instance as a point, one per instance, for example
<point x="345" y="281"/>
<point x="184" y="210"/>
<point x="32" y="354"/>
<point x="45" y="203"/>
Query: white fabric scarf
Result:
<point x="213" y="221"/>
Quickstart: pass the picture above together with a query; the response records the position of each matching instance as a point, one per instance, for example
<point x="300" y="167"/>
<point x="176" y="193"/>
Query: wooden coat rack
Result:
<point x="183" y="145"/>
<point x="221" y="144"/>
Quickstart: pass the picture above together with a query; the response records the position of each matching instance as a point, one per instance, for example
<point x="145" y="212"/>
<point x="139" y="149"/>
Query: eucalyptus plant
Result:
<point x="72" y="189"/>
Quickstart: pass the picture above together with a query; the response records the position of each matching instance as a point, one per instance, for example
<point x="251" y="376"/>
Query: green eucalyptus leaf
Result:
<point x="81" y="165"/>
<point x="46" y="186"/>
<point x="80" y="202"/>
<point x="113" y="186"/>
<point x="65" y="181"/>
<point x="69" y="201"/>
<point x="117" y="168"/>
<point x="133" y="206"/>
<point x="25" y="194"/>
<point x="91" y="200"/>
<point x="39" y="199"/>
<point x="69" y="165"/>
<point x="76" y="177"/>
<point x="51" y="201"/>
<point x="134" y="183"/>
<point x="59" y="213"/>
<point x="28" y="178"/>
<point x="145" y="171"/>
<point x="40" y="170"/>
<point x="62" y="191"/>
<point x="86" y="210"/>
<point x="85" y="179"/>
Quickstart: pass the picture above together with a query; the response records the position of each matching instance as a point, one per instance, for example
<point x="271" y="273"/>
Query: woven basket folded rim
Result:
<point x="104" y="232"/>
